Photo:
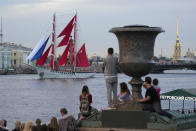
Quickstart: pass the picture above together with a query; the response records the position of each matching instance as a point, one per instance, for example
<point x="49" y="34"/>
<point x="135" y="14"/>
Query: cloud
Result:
<point x="96" y="17"/>
<point x="26" y="7"/>
<point x="19" y="2"/>
<point x="14" y="8"/>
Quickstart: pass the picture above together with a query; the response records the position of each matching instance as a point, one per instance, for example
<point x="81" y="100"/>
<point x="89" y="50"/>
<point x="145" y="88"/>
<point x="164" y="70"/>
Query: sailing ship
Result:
<point x="71" y="64"/>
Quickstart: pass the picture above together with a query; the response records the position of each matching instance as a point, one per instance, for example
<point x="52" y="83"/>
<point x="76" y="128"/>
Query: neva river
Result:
<point x="25" y="97"/>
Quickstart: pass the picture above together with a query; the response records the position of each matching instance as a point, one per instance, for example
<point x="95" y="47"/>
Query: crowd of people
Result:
<point x="65" y="123"/>
<point x="151" y="102"/>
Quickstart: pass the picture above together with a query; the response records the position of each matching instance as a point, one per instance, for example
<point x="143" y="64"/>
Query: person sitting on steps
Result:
<point x="151" y="102"/>
<point x="67" y="122"/>
<point x="85" y="101"/>
<point x="124" y="94"/>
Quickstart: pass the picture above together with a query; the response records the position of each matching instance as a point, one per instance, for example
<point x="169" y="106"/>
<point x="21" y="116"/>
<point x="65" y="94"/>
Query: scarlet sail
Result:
<point x="43" y="58"/>
<point x="81" y="58"/>
<point x="63" y="58"/>
<point x="76" y="59"/>
<point x="67" y="28"/>
<point x="67" y="32"/>
<point x="65" y="40"/>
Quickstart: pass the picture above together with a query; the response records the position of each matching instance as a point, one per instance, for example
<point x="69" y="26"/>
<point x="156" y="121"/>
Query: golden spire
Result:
<point x="177" y="39"/>
<point x="177" y="27"/>
<point x="177" y="47"/>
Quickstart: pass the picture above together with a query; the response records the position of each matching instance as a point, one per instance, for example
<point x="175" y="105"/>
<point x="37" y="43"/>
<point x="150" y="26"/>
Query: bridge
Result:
<point x="159" y="68"/>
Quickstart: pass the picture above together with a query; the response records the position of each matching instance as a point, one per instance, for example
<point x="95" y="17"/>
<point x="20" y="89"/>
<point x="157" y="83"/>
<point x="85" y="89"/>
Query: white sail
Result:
<point x="37" y="47"/>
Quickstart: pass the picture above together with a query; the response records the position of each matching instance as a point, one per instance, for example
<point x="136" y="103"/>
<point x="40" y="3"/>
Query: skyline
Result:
<point x="25" y="22"/>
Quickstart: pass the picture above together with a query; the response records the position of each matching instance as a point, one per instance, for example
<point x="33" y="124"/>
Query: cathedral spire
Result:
<point x="177" y="29"/>
<point x="177" y="34"/>
<point x="177" y="47"/>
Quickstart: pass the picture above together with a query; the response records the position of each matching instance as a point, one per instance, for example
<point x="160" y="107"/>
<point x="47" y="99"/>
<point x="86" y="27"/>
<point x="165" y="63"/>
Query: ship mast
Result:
<point x="53" y="42"/>
<point x="75" y="42"/>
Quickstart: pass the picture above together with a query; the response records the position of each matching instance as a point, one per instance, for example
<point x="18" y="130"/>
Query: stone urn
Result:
<point x="136" y="48"/>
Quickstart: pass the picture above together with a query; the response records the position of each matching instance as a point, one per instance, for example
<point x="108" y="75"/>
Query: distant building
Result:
<point x="189" y="54"/>
<point x="177" y="47"/>
<point x="193" y="54"/>
<point x="18" y="54"/>
<point x="17" y="58"/>
<point x="5" y="58"/>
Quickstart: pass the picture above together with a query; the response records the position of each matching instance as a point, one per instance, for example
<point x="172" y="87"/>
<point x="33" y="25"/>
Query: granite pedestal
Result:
<point x="124" y="119"/>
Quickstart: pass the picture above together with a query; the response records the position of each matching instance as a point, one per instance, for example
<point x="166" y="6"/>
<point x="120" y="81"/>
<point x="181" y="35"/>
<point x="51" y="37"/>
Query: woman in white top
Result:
<point x="125" y="94"/>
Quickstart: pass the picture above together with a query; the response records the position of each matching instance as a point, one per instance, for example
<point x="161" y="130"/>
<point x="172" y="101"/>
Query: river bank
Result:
<point x="26" y="97"/>
<point x="18" y="70"/>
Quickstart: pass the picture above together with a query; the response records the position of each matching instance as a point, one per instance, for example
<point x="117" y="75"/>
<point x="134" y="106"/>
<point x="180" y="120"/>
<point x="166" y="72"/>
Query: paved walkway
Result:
<point x="119" y="129"/>
<point x="193" y="129"/>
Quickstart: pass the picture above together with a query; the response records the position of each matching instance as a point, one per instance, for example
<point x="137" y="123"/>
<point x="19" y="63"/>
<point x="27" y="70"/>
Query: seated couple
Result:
<point x="151" y="102"/>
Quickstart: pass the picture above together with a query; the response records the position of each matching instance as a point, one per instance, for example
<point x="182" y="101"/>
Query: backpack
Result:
<point x="84" y="105"/>
<point x="72" y="125"/>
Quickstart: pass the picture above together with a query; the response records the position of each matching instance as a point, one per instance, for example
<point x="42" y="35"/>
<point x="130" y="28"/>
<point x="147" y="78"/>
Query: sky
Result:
<point x="26" y="21"/>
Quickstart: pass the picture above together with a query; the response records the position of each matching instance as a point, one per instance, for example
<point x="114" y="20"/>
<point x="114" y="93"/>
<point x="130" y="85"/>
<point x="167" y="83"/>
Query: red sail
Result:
<point x="65" y="40"/>
<point x="81" y="58"/>
<point x="67" y="28"/>
<point x="63" y="58"/>
<point x="43" y="58"/>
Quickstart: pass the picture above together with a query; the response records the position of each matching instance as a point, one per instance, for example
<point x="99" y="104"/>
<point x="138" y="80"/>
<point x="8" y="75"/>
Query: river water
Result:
<point x="25" y="97"/>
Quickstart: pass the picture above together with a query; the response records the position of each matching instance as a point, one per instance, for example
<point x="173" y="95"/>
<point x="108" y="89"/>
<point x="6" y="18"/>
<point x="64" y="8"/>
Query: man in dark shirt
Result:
<point x="151" y="102"/>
